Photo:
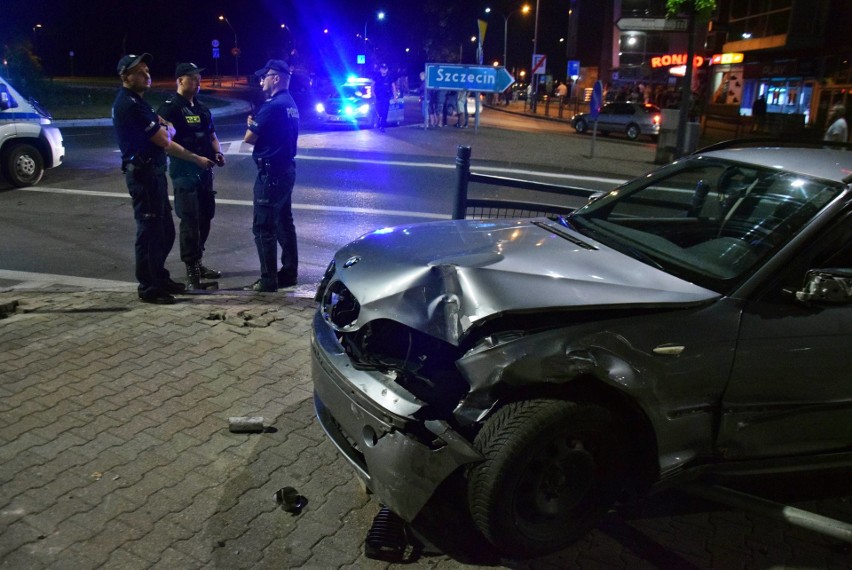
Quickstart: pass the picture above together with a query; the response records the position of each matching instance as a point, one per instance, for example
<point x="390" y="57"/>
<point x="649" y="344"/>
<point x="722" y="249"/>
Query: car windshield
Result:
<point x="705" y="220"/>
<point x="352" y="92"/>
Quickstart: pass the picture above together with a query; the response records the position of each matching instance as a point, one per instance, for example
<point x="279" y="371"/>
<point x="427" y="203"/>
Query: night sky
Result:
<point x="100" y="31"/>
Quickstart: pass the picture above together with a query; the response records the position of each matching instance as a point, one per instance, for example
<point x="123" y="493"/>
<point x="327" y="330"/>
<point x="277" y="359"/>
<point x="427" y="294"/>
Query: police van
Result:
<point x="28" y="141"/>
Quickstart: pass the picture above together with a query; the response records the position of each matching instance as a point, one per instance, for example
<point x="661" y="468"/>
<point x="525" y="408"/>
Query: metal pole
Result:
<point x="462" y="176"/>
<point x="535" y="50"/>
<point x="791" y="515"/>
<point x="505" y="38"/>
<point x="686" y="90"/>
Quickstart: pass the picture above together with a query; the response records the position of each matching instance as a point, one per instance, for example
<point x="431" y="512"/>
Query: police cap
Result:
<point x="277" y="65"/>
<point x="132" y="60"/>
<point x="187" y="69"/>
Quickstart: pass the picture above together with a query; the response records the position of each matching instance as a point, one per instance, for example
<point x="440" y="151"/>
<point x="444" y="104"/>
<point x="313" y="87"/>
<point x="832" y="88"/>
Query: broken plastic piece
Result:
<point x="386" y="539"/>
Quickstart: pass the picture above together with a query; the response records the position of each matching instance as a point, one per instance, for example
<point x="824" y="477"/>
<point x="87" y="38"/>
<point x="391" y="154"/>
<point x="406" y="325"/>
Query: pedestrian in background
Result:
<point x="384" y="88"/>
<point x="274" y="132"/>
<point x="758" y="111"/>
<point x="144" y="140"/>
<point x="461" y="109"/>
<point x="195" y="202"/>
<point x="838" y="130"/>
<point x="448" y="99"/>
<point x="434" y="97"/>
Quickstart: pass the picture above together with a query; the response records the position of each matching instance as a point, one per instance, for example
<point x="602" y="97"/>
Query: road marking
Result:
<point x="44" y="280"/>
<point x="239" y="148"/>
<point x="309" y="207"/>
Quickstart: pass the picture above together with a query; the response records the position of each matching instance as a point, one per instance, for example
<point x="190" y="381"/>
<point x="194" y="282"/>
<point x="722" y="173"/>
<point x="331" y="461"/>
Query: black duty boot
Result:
<point x="193" y="276"/>
<point x="207" y="273"/>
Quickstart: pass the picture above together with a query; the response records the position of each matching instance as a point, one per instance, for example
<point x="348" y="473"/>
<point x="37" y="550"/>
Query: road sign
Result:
<point x="597" y="100"/>
<point x="539" y="64"/>
<point x="214" y="43"/>
<point x="454" y="77"/>
<point x="574" y="69"/>
<point x="652" y="24"/>
<point x="215" y="53"/>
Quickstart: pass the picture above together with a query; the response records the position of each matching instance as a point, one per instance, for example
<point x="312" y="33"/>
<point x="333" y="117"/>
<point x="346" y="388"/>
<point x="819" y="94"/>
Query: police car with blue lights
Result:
<point x="29" y="143"/>
<point x="354" y="103"/>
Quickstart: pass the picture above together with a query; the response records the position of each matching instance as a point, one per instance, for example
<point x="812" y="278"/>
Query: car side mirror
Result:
<point x="827" y="286"/>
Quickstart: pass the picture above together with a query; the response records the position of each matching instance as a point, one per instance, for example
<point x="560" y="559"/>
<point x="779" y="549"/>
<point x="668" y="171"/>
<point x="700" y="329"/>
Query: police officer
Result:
<point x="193" y="186"/>
<point x="274" y="132"/>
<point x="144" y="141"/>
<point x="384" y="88"/>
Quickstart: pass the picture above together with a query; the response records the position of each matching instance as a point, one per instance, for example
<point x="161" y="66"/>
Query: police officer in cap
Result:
<point x="274" y="131"/>
<point x="144" y="140"/>
<point x="193" y="186"/>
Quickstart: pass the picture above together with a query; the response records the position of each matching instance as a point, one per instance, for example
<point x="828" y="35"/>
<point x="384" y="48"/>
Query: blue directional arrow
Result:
<point x="504" y="79"/>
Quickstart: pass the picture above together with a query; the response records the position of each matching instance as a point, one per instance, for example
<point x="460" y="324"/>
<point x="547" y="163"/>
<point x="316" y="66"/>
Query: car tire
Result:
<point x="23" y="165"/>
<point x="552" y="469"/>
<point x="633" y="131"/>
<point x="581" y="126"/>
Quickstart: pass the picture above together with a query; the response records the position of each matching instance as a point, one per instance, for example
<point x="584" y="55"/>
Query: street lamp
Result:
<point x="461" y="46"/>
<point x="379" y="17"/>
<point x="35" y="36"/>
<point x="525" y="9"/>
<point x="236" y="50"/>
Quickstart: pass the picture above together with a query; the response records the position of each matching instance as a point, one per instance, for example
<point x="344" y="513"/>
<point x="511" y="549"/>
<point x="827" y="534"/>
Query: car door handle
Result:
<point x="669" y="349"/>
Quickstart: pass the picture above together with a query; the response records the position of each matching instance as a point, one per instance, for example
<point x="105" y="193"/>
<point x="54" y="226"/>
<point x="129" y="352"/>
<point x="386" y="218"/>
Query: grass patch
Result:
<point x="94" y="101"/>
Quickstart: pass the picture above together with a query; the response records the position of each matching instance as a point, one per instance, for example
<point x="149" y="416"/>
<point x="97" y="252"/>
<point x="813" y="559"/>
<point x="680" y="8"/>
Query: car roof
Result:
<point x="829" y="164"/>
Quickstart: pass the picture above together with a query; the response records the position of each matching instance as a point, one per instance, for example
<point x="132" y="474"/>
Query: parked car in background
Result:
<point x="28" y="142"/>
<point x="632" y="119"/>
<point x="692" y="322"/>
<point x="354" y="103"/>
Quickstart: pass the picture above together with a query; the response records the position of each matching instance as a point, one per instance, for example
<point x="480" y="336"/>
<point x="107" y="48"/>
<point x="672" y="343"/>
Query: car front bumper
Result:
<point x="370" y="419"/>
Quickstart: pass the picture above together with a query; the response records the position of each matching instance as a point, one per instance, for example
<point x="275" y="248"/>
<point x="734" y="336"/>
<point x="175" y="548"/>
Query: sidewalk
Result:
<point x="115" y="453"/>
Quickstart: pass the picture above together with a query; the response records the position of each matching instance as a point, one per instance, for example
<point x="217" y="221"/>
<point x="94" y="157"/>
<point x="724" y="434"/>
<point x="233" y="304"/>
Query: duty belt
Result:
<point x="130" y="167"/>
<point x="267" y="166"/>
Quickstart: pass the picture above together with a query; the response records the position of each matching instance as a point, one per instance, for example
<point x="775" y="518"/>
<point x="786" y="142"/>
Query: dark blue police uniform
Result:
<point x="144" y="165"/>
<point x="383" y="90"/>
<point x="276" y="125"/>
<point x="195" y="202"/>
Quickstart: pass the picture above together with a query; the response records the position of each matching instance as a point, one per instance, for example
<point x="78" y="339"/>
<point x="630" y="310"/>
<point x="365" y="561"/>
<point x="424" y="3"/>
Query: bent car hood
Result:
<point x="442" y="278"/>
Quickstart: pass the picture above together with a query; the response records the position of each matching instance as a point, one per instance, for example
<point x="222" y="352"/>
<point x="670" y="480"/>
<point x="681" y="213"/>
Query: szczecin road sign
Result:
<point x="454" y="77"/>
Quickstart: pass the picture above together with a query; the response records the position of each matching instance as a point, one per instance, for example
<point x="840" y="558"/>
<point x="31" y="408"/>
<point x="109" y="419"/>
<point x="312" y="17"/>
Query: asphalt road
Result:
<point x="78" y="222"/>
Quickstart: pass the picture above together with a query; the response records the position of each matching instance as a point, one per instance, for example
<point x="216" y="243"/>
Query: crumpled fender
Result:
<point x="550" y="357"/>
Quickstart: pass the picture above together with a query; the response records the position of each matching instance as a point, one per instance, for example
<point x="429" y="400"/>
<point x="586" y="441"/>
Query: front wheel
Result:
<point x="581" y="126"/>
<point x="633" y="132"/>
<point x="552" y="469"/>
<point x="23" y="165"/>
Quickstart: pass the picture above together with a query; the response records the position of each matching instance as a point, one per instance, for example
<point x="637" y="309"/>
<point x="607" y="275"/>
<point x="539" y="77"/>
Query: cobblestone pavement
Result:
<point x="115" y="453"/>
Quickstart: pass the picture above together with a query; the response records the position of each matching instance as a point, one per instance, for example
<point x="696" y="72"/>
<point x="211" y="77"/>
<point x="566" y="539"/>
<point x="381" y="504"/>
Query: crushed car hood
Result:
<point x="442" y="278"/>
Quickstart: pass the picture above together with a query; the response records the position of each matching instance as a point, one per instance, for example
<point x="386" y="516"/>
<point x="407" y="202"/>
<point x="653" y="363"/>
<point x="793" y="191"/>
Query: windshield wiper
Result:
<point x="565" y="235"/>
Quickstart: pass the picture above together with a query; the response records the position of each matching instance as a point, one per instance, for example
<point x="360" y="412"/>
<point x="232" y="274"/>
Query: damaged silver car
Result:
<point x="694" y="320"/>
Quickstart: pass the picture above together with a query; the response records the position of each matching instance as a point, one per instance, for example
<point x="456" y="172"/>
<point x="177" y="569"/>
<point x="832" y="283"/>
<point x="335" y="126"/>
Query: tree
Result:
<point x="701" y="7"/>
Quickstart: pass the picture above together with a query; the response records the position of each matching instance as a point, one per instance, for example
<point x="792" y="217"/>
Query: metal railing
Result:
<point x="486" y="208"/>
